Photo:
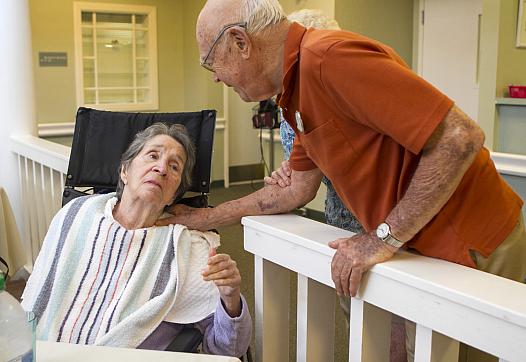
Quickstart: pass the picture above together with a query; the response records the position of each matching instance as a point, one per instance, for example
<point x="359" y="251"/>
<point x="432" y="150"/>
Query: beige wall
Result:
<point x="388" y="21"/>
<point x="52" y="31"/>
<point x="199" y="89"/>
<point x="511" y="67"/>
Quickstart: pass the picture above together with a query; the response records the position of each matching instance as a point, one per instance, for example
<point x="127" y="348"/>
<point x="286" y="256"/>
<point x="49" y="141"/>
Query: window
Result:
<point x="116" y="56"/>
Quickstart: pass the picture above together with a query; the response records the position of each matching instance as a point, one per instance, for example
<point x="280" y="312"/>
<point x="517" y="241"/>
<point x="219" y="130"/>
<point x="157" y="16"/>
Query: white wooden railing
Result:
<point x="42" y="168"/>
<point x="448" y="302"/>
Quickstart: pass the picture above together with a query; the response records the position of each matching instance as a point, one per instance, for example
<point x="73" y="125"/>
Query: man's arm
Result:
<point x="445" y="158"/>
<point x="271" y="199"/>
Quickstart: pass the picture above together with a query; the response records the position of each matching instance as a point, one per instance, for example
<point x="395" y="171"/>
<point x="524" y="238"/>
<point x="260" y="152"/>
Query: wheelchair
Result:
<point x="99" y="140"/>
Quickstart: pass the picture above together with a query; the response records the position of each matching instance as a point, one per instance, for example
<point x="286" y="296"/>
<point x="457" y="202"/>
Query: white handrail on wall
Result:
<point x="509" y="163"/>
<point x="42" y="168"/>
<point x="448" y="302"/>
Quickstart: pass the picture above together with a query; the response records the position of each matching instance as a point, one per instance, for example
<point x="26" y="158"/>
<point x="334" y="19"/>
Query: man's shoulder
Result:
<point x="318" y="42"/>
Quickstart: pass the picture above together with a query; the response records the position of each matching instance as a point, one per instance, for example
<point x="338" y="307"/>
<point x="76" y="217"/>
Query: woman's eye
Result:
<point x="175" y="167"/>
<point x="153" y="156"/>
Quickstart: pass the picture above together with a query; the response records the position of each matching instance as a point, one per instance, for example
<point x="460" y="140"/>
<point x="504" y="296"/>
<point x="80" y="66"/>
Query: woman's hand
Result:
<point x="281" y="176"/>
<point x="223" y="271"/>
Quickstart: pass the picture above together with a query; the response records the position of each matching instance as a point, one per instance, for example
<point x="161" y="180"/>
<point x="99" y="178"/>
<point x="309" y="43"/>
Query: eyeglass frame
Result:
<point x="208" y="66"/>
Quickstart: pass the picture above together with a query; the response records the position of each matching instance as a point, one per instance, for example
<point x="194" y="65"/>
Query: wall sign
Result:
<point x="53" y="59"/>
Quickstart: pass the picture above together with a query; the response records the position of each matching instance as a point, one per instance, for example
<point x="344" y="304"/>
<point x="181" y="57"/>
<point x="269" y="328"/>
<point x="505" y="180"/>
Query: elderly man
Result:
<point x="402" y="157"/>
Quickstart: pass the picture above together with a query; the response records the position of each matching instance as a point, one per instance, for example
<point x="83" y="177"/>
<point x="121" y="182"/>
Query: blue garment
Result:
<point x="336" y="213"/>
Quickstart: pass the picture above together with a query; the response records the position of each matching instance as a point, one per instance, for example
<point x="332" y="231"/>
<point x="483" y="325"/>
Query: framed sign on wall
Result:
<point x="521" y="25"/>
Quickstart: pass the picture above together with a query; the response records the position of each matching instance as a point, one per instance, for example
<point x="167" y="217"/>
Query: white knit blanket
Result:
<point x="95" y="282"/>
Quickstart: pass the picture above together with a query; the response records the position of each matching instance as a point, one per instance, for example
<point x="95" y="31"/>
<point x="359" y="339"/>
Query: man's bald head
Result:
<point x="257" y="14"/>
<point x="214" y="15"/>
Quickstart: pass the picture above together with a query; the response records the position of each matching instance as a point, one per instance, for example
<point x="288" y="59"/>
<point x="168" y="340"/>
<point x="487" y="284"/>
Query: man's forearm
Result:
<point x="271" y="199"/>
<point x="445" y="159"/>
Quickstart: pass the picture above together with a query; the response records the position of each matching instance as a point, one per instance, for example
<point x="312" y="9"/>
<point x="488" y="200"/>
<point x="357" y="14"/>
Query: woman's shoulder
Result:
<point x="95" y="202"/>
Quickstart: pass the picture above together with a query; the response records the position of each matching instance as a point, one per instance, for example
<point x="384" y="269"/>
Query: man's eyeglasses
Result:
<point x="208" y="65"/>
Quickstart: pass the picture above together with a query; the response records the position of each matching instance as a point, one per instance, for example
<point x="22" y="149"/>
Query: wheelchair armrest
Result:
<point x="186" y="341"/>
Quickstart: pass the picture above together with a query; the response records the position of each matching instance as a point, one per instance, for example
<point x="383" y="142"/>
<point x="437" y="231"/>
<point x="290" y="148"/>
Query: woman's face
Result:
<point x="155" y="173"/>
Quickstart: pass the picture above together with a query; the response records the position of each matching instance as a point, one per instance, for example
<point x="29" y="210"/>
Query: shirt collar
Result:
<point x="291" y="58"/>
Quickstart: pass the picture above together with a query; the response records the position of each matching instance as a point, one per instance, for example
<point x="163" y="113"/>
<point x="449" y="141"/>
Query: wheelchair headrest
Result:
<point x="101" y="137"/>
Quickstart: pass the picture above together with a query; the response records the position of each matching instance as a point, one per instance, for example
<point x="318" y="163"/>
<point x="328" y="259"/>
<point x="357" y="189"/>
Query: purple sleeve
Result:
<point x="224" y="335"/>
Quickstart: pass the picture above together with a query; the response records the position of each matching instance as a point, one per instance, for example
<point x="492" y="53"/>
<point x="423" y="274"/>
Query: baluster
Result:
<point x="39" y="203"/>
<point x="315" y="332"/>
<point x="434" y="347"/>
<point x="370" y="332"/>
<point x="57" y="190"/>
<point x="33" y="221"/>
<point x="62" y="178"/>
<point x="48" y="195"/>
<point x="272" y="289"/>
<point x="26" y="237"/>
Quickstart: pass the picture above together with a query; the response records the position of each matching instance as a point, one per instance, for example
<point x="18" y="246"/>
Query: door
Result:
<point x="449" y="55"/>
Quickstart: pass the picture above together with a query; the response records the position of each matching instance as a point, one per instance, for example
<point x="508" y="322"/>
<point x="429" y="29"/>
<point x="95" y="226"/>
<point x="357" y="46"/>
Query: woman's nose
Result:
<point x="215" y="78"/>
<point x="160" y="167"/>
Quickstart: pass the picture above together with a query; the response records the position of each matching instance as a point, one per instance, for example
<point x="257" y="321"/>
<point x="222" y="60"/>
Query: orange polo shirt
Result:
<point x="364" y="118"/>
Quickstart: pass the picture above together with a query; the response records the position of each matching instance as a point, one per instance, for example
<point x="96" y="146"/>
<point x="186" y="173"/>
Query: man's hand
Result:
<point x="281" y="177"/>
<point x="193" y="218"/>
<point x="354" y="256"/>
<point x="223" y="271"/>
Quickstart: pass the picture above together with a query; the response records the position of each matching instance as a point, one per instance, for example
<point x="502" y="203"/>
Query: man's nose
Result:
<point x="215" y="78"/>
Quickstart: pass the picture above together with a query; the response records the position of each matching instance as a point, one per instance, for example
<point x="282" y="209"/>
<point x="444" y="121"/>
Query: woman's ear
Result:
<point x="242" y="41"/>
<point x="124" y="175"/>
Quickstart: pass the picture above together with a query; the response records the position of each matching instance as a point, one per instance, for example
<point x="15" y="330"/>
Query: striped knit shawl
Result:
<point x="94" y="282"/>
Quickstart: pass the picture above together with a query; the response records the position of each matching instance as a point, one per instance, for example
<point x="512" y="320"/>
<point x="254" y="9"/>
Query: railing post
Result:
<point x="272" y="287"/>
<point x="315" y="332"/>
<point x="370" y="333"/>
<point x="434" y="347"/>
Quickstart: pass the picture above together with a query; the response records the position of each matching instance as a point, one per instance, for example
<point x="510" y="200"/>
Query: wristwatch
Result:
<point x="383" y="231"/>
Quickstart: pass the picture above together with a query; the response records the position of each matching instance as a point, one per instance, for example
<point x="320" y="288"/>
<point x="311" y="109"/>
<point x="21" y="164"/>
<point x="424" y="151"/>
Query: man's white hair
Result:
<point x="313" y="18"/>
<point x="259" y="14"/>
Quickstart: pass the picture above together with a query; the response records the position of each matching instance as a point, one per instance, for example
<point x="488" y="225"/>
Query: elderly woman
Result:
<point x="107" y="275"/>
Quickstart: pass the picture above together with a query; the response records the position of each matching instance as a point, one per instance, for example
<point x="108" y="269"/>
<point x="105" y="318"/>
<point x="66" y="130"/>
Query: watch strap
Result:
<point x="390" y="240"/>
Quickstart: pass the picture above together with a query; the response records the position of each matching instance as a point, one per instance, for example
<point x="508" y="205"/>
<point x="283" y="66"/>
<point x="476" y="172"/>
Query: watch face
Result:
<point x="382" y="231"/>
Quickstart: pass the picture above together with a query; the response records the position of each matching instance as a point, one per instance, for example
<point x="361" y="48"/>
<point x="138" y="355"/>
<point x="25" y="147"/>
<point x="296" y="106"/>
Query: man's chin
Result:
<point x="246" y="98"/>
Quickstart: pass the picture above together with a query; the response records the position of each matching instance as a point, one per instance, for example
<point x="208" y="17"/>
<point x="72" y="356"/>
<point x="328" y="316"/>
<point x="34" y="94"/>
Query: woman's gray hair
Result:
<point x="179" y="133"/>
<point x="313" y="18"/>
<point x="259" y="14"/>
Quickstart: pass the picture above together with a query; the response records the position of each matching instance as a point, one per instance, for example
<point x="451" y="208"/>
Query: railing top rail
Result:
<point x="47" y="153"/>
<point x="490" y="294"/>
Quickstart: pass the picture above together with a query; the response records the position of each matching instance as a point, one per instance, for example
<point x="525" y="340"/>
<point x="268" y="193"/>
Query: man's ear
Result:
<point x="241" y="41"/>
<point x="124" y="175"/>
